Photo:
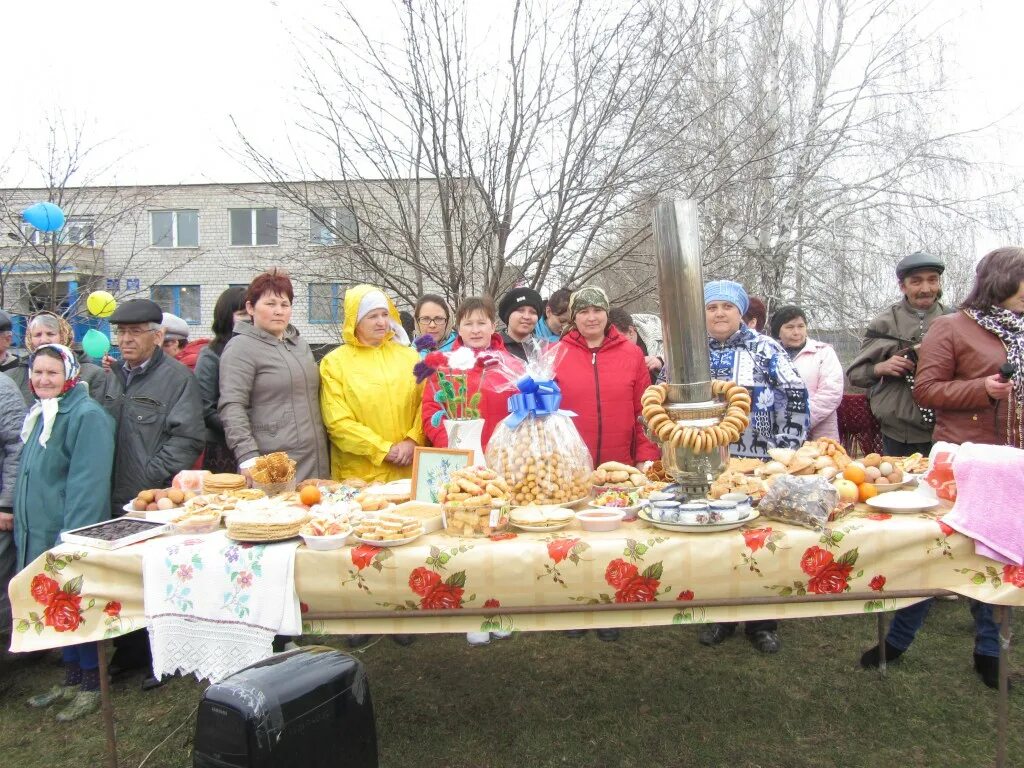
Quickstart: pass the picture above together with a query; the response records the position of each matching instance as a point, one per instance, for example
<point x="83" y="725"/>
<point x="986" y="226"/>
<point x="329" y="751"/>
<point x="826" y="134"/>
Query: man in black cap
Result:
<point x="8" y="360"/>
<point x="888" y="356"/>
<point x="160" y="430"/>
<point x="519" y="310"/>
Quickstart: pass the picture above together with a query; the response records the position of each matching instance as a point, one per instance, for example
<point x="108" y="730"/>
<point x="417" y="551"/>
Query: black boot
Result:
<point x="872" y="657"/>
<point x="988" y="668"/>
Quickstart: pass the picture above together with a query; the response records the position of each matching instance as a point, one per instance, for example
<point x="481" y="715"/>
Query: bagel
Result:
<point x="736" y="389"/>
<point x="665" y="431"/>
<point x="656" y="421"/>
<point x="743" y="405"/>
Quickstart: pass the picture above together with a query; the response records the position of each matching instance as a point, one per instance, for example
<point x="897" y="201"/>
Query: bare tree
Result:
<point x="477" y="161"/>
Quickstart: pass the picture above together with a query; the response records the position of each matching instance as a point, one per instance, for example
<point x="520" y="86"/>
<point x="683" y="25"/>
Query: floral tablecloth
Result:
<point x="74" y="594"/>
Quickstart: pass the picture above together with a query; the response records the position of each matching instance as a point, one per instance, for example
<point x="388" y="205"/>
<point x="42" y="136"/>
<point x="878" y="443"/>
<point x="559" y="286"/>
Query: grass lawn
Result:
<point x="656" y="698"/>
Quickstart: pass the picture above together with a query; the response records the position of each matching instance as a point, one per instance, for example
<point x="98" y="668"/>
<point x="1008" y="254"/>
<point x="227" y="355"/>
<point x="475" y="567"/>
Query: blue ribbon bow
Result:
<point x="541" y="398"/>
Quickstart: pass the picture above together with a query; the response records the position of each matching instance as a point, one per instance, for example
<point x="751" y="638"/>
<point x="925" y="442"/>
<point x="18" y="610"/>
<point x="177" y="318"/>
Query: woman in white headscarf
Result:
<point x="369" y="397"/>
<point x="63" y="483"/>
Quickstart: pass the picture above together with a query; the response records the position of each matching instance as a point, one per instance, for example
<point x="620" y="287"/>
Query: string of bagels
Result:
<point x="698" y="439"/>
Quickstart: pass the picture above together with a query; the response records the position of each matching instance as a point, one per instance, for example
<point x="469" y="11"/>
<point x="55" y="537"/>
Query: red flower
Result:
<point x="422" y="580"/>
<point x="756" y="538"/>
<point x="113" y="608"/>
<point x="814" y="559"/>
<point x="685" y="595"/>
<point x="879" y="516"/>
<point x="435" y="360"/>
<point x="363" y="555"/>
<point x="639" y="589"/>
<point x="877" y="583"/>
<point x="43" y="588"/>
<point x="1014" y="574"/>
<point x="492" y="603"/>
<point x="559" y="549"/>
<point x="946" y="530"/>
<point x="502" y="536"/>
<point x="619" y="572"/>
<point x="63" y="612"/>
<point x="442" y="596"/>
<point x="831" y="579"/>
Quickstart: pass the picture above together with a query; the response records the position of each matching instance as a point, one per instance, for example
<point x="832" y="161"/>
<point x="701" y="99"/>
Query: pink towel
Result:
<point x="990" y="500"/>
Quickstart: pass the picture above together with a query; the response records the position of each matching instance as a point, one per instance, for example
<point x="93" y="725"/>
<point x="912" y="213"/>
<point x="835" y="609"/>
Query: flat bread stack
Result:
<point x="541" y="516"/>
<point x="266" y="524"/>
<point x="223" y="483"/>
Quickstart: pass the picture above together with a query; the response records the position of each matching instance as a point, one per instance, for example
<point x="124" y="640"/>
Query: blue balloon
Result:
<point x="46" y="217"/>
<point x="95" y="344"/>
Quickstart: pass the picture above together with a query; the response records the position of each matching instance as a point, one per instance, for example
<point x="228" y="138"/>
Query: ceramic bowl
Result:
<point x="598" y="520"/>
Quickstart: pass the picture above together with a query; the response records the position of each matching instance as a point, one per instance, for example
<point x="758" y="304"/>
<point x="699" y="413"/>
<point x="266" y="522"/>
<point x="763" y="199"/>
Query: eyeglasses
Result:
<point x="432" y="320"/>
<point x="132" y="333"/>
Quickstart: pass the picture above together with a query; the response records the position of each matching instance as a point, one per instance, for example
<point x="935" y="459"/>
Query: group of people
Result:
<point x="256" y="388"/>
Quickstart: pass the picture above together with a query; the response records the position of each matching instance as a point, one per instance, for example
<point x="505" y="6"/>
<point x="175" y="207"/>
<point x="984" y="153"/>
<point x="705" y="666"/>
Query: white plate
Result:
<point x="157" y="515"/>
<point x="625" y="510"/>
<point x="392" y="543"/>
<point x="542" y="528"/>
<point x="902" y="502"/>
<point x="326" y="543"/>
<point x="708" y="528"/>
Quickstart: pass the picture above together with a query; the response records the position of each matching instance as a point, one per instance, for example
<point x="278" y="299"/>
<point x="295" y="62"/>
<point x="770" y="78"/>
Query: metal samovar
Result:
<point x="689" y="401"/>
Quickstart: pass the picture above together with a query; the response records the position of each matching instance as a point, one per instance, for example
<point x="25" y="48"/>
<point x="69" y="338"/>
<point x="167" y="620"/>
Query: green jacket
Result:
<point x="66" y="484"/>
<point x="891" y="399"/>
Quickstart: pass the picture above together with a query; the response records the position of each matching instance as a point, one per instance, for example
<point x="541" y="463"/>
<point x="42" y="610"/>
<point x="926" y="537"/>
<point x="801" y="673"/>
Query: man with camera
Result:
<point x="888" y="356"/>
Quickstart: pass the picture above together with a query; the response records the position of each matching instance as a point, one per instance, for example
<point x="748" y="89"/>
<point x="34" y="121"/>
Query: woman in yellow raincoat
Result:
<point x="369" y="398"/>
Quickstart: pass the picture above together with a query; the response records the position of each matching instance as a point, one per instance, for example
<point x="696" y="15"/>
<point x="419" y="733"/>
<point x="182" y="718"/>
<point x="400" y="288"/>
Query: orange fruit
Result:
<point x="310" y="495"/>
<point x="865" y="491"/>
<point x="854" y="474"/>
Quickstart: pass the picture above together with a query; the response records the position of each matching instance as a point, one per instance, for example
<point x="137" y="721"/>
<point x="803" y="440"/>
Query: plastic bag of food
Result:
<point x="807" y="500"/>
<point x="537" y="448"/>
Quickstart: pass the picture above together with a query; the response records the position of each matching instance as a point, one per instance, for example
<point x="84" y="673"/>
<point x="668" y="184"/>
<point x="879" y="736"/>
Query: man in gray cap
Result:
<point x="12" y="415"/>
<point x="888" y="356"/>
<point x="175" y="334"/>
<point x="8" y="360"/>
<point x="156" y="404"/>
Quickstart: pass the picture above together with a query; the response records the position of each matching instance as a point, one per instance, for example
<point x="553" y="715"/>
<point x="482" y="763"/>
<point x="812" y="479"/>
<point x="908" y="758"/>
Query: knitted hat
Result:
<point x="726" y="290"/>
<point x="516" y="298"/>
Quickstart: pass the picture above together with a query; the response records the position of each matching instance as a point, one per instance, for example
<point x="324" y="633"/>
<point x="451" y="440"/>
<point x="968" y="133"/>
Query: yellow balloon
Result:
<point x="101" y="304"/>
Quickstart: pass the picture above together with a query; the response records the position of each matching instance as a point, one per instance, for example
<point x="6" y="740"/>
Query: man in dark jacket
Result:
<point x="12" y="415"/>
<point x="887" y="359"/>
<point x="519" y="310"/>
<point x="155" y="402"/>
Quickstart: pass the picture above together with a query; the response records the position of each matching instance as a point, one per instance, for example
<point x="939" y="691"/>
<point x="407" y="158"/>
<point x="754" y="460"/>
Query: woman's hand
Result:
<point x="6" y="521"/>
<point x="996" y="388"/>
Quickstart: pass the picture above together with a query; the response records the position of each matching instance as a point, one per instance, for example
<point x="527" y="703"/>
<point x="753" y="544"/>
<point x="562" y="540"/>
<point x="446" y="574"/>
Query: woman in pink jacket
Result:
<point x="819" y="367"/>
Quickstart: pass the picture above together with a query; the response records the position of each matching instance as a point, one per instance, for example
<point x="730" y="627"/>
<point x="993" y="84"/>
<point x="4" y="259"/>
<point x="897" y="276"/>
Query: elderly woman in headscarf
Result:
<point x="63" y="483"/>
<point x="50" y="328"/>
<point x="369" y="398"/>
<point x="779" y="414"/>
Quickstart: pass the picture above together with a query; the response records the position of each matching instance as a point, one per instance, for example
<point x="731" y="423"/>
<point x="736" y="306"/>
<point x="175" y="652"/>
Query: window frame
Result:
<point x="175" y="212"/>
<point x="337" y="303"/>
<point x="253" y="228"/>
<point x="176" y="299"/>
<point x="332" y="223"/>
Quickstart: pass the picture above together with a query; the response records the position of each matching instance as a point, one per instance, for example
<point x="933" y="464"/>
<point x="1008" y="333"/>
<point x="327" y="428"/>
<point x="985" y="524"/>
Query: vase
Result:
<point x="465" y="435"/>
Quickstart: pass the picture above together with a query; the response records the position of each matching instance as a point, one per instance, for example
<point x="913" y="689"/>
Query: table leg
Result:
<point x="1004" y="614"/>
<point x="881" y="644"/>
<point x="107" y="706"/>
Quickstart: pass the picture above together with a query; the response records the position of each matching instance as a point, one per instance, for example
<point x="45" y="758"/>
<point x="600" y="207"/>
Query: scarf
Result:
<point x="48" y="407"/>
<point x="1008" y="327"/>
<point x="374" y="300"/>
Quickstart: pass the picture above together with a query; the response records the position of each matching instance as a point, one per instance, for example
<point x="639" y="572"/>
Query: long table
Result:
<point x="635" y="576"/>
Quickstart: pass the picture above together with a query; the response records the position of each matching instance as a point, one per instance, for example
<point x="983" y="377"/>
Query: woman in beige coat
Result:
<point x="270" y="384"/>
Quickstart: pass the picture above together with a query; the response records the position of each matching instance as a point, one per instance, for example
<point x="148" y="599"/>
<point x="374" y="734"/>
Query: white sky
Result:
<point x="162" y="79"/>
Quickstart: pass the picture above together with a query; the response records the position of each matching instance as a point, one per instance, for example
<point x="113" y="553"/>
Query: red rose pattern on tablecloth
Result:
<point x="422" y="580"/>
<point x="828" y="575"/>
<point x="62" y="603"/>
<point x="435" y="592"/>
<point x="1014" y="574"/>
<point x="503" y="536"/>
<point x="619" y="573"/>
<point x="757" y="539"/>
<point x="623" y="574"/>
<point x="942" y="540"/>
<point x="559" y="551"/>
<point x="878" y="516"/>
<point x="686" y="594"/>
<point x="877" y="584"/>
<point x="366" y="556"/>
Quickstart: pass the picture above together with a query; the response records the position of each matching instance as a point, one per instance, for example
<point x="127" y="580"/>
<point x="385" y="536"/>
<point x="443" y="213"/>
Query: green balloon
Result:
<point x="95" y="343"/>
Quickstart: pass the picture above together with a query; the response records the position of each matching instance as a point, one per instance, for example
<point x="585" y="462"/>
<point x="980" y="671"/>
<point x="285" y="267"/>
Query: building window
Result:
<point x="325" y="302"/>
<point x="175" y="229"/>
<point x="77" y="230"/>
<point x="180" y="300"/>
<point x="253" y="226"/>
<point x="333" y="226"/>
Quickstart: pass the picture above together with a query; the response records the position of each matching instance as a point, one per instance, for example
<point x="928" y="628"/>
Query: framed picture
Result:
<point x="431" y="468"/>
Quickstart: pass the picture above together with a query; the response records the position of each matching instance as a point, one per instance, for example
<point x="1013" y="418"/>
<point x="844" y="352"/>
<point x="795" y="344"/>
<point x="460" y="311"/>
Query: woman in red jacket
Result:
<point x="602" y="376"/>
<point x="476" y="322"/>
